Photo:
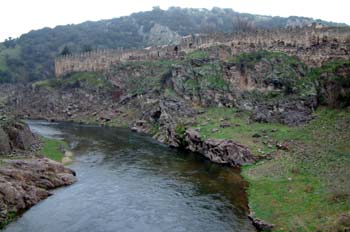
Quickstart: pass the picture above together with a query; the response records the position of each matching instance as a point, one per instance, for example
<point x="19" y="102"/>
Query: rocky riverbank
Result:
<point x="24" y="183"/>
<point x="25" y="179"/>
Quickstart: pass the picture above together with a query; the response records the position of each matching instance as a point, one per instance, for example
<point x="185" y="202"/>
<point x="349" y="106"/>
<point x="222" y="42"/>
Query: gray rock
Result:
<point x="218" y="150"/>
<point x="23" y="183"/>
<point x="20" y="136"/>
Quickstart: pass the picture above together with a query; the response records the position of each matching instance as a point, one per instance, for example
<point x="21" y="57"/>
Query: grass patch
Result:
<point x="242" y="129"/>
<point x="53" y="148"/>
<point x="304" y="189"/>
<point x="198" y="54"/>
<point x="89" y="80"/>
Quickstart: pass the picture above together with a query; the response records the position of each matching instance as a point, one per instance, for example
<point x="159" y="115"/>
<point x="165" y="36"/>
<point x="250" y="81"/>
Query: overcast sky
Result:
<point x="21" y="16"/>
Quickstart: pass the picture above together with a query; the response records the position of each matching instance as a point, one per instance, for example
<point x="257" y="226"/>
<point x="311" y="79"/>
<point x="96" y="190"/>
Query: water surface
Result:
<point x="129" y="182"/>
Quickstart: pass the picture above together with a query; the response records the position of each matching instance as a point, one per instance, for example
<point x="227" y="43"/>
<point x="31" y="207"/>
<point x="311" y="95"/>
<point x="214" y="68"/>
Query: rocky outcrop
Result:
<point x="289" y="112"/>
<point x="200" y="81"/>
<point x="160" y="35"/>
<point x="66" y="103"/>
<point x="23" y="183"/>
<point x="220" y="151"/>
<point x="16" y="136"/>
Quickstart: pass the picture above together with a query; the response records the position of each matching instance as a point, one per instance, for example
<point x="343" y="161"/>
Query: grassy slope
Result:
<point x="303" y="189"/>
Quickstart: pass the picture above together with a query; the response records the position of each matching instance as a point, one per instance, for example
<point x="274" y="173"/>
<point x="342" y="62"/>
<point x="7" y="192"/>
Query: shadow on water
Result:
<point x="130" y="182"/>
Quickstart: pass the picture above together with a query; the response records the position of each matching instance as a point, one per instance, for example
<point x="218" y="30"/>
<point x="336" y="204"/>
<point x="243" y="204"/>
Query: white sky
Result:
<point x="20" y="16"/>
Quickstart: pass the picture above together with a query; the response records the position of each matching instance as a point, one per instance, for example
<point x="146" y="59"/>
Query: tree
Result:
<point x="87" y="48"/>
<point x="66" y="51"/>
<point x="10" y="43"/>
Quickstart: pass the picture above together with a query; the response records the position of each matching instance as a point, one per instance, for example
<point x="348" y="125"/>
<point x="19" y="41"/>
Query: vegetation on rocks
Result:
<point x="140" y="77"/>
<point x="283" y="71"/>
<point x="197" y="55"/>
<point x="88" y="80"/>
<point x="333" y="83"/>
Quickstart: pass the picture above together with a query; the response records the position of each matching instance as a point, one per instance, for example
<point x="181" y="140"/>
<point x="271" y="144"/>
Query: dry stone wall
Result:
<point x="312" y="45"/>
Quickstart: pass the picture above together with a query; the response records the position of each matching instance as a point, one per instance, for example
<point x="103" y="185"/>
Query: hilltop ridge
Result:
<point x="31" y="57"/>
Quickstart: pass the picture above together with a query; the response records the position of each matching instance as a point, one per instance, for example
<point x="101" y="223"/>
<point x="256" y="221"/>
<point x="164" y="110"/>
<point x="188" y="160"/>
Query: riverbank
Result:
<point x="26" y="177"/>
<point x="303" y="182"/>
<point x="303" y="172"/>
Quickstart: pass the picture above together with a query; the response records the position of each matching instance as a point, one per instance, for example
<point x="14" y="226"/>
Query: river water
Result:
<point x="129" y="182"/>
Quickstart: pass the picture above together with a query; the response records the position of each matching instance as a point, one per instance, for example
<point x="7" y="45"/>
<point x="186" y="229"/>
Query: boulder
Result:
<point x="16" y="136"/>
<point x="220" y="151"/>
<point x="20" y="136"/>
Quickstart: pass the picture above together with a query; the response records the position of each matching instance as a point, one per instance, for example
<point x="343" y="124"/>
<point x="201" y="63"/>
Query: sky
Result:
<point x="21" y="16"/>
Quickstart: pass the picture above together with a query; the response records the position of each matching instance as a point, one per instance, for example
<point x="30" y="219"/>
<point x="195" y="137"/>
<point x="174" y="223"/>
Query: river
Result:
<point x="129" y="182"/>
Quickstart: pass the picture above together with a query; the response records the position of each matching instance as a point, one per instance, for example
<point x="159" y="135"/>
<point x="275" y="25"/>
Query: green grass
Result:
<point x="87" y="79"/>
<point x="10" y="217"/>
<point x="304" y="189"/>
<point x="53" y="149"/>
<point x="242" y="129"/>
<point x="198" y="54"/>
<point x="91" y="79"/>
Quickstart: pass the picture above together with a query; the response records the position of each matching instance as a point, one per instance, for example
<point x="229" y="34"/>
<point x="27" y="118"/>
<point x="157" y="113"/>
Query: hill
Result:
<point x="31" y="57"/>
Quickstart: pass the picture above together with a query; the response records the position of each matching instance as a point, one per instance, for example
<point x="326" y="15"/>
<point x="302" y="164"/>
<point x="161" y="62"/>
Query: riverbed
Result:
<point x="130" y="182"/>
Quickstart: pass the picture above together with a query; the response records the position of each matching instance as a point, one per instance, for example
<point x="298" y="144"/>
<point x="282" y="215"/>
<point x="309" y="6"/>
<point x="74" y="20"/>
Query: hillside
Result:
<point x="31" y="57"/>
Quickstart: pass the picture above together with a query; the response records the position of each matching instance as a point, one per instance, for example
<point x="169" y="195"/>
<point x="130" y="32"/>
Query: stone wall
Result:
<point x="312" y="45"/>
